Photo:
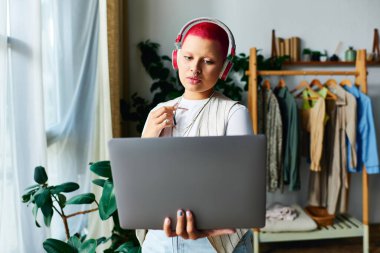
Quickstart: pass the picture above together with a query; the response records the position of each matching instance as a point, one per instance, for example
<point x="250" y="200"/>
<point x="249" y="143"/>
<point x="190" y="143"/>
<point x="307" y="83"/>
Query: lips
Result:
<point x="194" y="80"/>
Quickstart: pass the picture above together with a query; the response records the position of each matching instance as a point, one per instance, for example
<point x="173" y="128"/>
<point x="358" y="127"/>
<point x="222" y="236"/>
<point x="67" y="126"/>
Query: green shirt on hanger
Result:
<point x="291" y="137"/>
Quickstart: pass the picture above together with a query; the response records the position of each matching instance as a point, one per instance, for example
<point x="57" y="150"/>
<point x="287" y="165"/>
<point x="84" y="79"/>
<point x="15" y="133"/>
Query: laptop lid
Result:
<point x="222" y="180"/>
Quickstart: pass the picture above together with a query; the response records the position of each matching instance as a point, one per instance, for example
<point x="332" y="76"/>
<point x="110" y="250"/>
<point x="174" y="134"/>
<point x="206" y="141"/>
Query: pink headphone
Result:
<point x="227" y="66"/>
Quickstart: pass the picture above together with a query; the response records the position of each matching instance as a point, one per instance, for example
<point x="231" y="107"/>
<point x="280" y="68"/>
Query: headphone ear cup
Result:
<point x="227" y="66"/>
<point x="174" y="59"/>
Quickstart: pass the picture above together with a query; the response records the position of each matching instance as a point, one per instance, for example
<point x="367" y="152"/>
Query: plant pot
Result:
<point x="315" y="57"/>
<point x="306" y="57"/>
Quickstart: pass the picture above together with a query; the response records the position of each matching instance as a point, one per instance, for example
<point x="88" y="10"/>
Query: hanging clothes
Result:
<point x="366" y="146"/>
<point x="270" y="124"/>
<point x="291" y="127"/>
<point x="318" y="186"/>
<point x="312" y="121"/>
<point x="345" y="127"/>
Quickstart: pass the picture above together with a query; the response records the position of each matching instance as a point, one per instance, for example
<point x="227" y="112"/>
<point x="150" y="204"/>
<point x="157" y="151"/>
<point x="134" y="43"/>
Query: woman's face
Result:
<point x="200" y="62"/>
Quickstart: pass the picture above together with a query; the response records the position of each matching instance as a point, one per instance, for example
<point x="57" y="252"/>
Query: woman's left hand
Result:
<point x="186" y="227"/>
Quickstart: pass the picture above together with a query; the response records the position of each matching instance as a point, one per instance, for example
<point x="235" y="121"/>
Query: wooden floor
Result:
<point x="352" y="245"/>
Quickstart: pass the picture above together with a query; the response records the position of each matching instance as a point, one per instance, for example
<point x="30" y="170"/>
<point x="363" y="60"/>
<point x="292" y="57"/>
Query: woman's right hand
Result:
<point x="158" y="120"/>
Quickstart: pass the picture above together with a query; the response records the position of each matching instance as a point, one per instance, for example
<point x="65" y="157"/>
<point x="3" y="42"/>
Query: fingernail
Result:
<point x="188" y="213"/>
<point x="167" y="220"/>
<point x="180" y="213"/>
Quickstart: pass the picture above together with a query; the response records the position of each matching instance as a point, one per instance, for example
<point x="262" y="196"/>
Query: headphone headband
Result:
<point x="191" y="23"/>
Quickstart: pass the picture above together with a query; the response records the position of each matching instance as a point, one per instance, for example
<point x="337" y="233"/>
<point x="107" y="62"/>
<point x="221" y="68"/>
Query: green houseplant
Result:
<point x="51" y="199"/>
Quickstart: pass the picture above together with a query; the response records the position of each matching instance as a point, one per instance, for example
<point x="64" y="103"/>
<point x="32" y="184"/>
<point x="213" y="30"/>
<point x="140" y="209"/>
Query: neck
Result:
<point x="198" y="95"/>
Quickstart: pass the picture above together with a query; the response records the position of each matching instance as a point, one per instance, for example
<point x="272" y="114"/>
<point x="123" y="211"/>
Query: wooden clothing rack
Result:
<point x="344" y="225"/>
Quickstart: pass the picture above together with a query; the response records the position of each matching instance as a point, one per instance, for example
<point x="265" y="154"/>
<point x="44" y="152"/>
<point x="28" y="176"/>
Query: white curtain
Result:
<point x="22" y="122"/>
<point x="103" y="129"/>
<point x="54" y="108"/>
<point x="76" y="80"/>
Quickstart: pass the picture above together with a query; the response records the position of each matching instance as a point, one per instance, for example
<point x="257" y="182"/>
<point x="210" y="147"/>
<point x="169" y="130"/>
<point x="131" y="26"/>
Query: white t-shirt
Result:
<point x="239" y="121"/>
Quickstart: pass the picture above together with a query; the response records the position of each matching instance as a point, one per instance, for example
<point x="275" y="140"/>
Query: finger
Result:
<point x="165" y="120"/>
<point x="190" y="226"/>
<point x="167" y="229"/>
<point x="167" y="123"/>
<point x="164" y="109"/>
<point x="180" y="228"/>
<point x="217" y="232"/>
<point x="161" y="118"/>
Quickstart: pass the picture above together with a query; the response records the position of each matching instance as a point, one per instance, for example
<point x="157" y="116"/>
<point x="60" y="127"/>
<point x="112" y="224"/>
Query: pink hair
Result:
<point x="210" y="31"/>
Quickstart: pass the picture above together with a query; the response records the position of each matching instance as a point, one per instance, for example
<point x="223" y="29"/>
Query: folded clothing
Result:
<point x="281" y="212"/>
<point x="301" y="223"/>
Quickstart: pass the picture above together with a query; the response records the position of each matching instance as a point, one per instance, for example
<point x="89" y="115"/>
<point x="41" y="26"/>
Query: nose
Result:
<point x="195" y="68"/>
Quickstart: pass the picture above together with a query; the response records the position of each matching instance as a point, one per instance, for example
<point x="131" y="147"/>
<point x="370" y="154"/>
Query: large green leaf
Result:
<point x="26" y="197"/>
<point x="40" y="175"/>
<point x="35" y="212"/>
<point x="99" y="182"/>
<point x="74" y="241"/>
<point x="56" y="246"/>
<point x="102" y="168"/>
<point x="101" y="240"/>
<point x="47" y="219"/>
<point x="42" y="196"/>
<point x="128" y="247"/>
<point x="47" y="211"/>
<point x="107" y="203"/>
<point x="88" y="246"/>
<point x="66" y="187"/>
<point x="85" y="198"/>
<point x="61" y="200"/>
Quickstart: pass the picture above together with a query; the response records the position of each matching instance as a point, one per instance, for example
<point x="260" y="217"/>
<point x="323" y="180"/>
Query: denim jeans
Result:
<point x="157" y="242"/>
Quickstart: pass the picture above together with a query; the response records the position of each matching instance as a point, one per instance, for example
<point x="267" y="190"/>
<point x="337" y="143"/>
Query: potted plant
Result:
<point x="51" y="199"/>
<point x="315" y="55"/>
<point x="306" y="54"/>
<point x="324" y="56"/>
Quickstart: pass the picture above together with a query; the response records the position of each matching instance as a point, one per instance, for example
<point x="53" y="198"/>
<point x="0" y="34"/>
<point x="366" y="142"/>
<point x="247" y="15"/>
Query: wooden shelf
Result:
<point x="344" y="226"/>
<point x="327" y="63"/>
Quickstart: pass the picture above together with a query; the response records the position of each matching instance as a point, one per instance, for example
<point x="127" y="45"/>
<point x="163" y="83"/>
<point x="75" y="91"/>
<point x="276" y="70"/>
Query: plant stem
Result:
<point x="64" y="218"/>
<point x="57" y="210"/>
<point x="82" y="212"/>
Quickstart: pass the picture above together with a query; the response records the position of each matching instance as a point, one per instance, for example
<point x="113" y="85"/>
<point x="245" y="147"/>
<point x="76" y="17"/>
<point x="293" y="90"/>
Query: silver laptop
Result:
<point x="222" y="180"/>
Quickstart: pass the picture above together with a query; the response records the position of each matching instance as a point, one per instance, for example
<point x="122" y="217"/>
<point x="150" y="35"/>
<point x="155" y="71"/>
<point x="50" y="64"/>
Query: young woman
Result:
<point x="201" y="59"/>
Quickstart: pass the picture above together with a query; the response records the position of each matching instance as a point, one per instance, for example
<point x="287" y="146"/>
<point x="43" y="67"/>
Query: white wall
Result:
<point x="320" y="24"/>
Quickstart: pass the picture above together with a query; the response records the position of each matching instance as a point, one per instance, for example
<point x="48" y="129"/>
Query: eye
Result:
<point x="187" y="58"/>
<point x="208" y="62"/>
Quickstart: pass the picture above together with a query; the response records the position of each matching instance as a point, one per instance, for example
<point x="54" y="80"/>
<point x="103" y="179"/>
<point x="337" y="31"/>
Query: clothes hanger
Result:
<point x="331" y="83"/>
<point x="302" y="86"/>
<point x="346" y="82"/>
<point x="317" y="83"/>
<point x="281" y="83"/>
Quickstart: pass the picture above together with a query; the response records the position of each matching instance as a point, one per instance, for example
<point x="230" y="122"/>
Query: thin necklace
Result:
<point x="188" y="128"/>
